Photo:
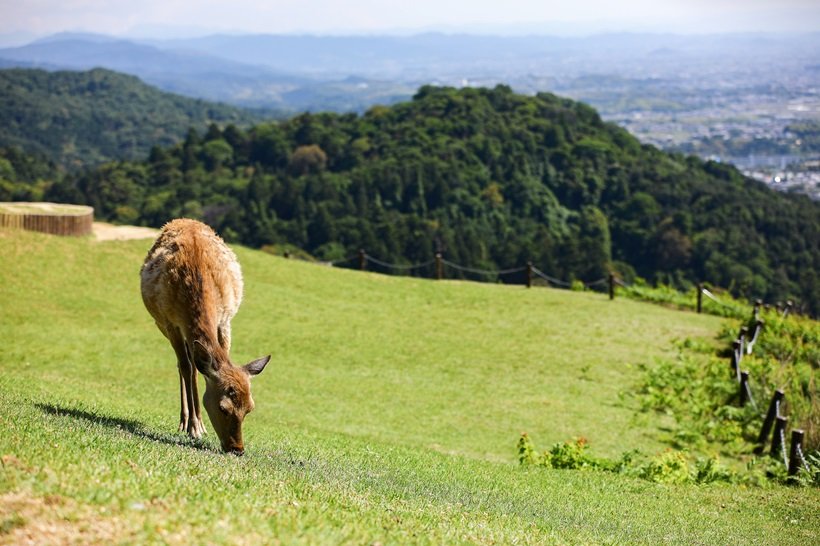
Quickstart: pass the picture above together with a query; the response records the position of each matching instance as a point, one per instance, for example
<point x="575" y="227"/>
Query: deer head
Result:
<point x="227" y="396"/>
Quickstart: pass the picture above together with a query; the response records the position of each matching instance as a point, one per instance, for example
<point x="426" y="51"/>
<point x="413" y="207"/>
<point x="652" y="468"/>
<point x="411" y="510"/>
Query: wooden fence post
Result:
<point x="795" y="456"/>
<point x="439" y="267"/>
<point x="744" y="387"/>
<point x="529" y="274"/>
<point x="362" y="259"/>
<point x="778" y="450"/>
<point x="743" y="337"/>
<point x="612" y="286"/>
<point x="751" y="343"/>
<point x="700" y="297"/>
<point x="774" y="410"/>
<point x="737" y="355"/>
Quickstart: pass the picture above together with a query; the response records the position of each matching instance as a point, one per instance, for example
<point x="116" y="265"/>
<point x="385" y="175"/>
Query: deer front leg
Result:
<point x="196" y="409"/>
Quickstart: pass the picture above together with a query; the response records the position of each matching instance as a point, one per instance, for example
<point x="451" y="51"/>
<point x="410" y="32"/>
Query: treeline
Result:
<point x="490" y="178"/>
<point x="86" y="118"/>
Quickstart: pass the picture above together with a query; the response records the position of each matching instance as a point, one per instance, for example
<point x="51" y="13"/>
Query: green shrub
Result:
<point x="671" y="466"/>
<point x="668" y="467"/>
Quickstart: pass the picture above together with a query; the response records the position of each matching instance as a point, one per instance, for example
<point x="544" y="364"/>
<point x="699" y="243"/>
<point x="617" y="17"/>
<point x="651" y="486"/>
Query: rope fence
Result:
<point x="773" y="421"/>
<point x="524" y="274"/>
<point x="440" y="263"/>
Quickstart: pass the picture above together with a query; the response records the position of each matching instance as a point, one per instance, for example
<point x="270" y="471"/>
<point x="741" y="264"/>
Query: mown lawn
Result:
<point x="389" y="413"/>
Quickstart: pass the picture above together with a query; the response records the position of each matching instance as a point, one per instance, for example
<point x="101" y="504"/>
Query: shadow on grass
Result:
<point x="126" y="425"/>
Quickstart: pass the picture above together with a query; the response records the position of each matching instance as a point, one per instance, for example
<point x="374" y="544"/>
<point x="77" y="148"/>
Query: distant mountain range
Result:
<point x="437" y="55"/>
<point x="196" y="72"/>
<point x="351" y="73"/>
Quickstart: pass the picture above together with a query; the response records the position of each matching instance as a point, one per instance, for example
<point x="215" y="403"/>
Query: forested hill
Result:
<point x="87" y="118"/>
<point x="490" y="178"/>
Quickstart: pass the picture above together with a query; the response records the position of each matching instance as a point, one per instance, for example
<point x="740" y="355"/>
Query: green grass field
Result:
<point x="389" y="414"/>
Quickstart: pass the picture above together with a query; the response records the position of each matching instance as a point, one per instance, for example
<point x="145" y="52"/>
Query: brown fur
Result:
<point x="192" y="285"/>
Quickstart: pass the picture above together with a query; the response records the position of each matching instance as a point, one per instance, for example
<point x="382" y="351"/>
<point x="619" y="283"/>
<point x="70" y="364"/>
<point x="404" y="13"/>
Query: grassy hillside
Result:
<point x="85" y="118"/>
<point x="390" y="413"/>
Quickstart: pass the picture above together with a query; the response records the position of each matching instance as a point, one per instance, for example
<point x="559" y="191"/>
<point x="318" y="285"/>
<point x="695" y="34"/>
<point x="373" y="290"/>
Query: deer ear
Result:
<point x="255" y="367"/>
<point x="204" y="360"/>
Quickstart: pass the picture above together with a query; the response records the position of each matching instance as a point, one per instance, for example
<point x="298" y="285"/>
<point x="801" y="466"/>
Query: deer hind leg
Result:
<point x="190" y="419"/>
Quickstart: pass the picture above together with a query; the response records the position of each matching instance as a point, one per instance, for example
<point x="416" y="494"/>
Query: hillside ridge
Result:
<point x="81" y="119"/>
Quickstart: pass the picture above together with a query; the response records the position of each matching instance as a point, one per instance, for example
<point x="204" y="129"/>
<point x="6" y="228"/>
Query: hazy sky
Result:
<point x="187" y="17"/>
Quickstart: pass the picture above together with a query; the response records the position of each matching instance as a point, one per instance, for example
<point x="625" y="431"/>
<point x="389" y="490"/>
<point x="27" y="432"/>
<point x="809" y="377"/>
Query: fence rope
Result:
<point x="550" y="279"/>
<point x="376" y="261"/>
<point x="803" y="459"/>
<point x="783" y="447"/>
<point x="712" y="297"/>
<point x="751" y="343"/>
<point x="749" y="395"/>
<point x="482" y="271"/>
<point x="475" y="270"/>
<point x="342" y="261"/>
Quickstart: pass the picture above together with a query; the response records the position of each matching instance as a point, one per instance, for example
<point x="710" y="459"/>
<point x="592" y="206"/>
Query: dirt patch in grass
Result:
<point x="25" y="519"/>
<point x="109" y="232"/>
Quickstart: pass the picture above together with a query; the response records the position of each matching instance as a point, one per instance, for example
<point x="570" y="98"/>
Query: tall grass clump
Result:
<point x="700" y="392"/>
<point x="786" y="357"/>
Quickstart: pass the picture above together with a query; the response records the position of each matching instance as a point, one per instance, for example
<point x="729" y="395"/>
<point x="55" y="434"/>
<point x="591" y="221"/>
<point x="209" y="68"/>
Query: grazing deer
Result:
<point x="192" y="285"/>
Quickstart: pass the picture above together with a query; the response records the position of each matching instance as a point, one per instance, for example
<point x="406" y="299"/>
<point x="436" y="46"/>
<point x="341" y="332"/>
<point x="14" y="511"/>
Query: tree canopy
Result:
<point x="86" y="118"/>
